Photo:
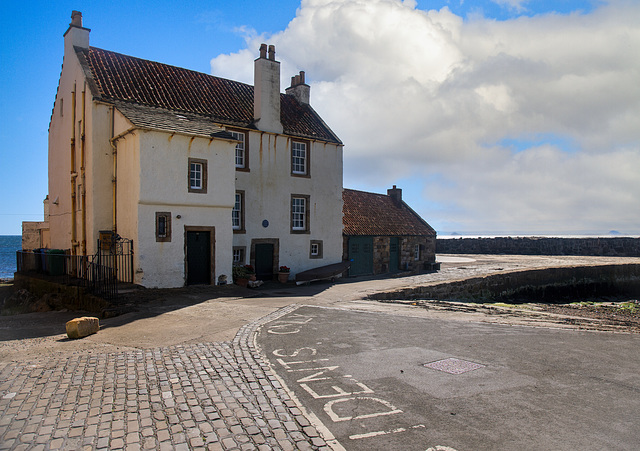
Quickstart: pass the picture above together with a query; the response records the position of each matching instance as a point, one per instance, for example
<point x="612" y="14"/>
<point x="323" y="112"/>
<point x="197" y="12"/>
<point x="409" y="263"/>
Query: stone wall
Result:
<point x="407" y="257"/>
<point x="610" y="247"/>
<point x="540" y="285"/>
<point x="60" y="296"/>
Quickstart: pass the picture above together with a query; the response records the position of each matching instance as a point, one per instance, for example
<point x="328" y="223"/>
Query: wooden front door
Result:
<point x="361" y="255"/>
<point x="198" y="257"/>
<point x="264" y="261"/>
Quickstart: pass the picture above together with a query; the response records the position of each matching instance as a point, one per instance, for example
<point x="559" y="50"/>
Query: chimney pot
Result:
<point x="263" y="50"/>
<point x="76" y="18"/>
<point x="272" y="52"/>
<point x="302" y="77"/>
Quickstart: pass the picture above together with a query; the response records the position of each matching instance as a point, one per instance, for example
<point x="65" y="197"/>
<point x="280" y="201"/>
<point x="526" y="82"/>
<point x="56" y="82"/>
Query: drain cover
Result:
<point x="453" y="366"/>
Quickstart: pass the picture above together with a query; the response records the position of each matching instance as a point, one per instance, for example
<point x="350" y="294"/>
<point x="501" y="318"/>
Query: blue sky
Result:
<point x="506" y="116"/>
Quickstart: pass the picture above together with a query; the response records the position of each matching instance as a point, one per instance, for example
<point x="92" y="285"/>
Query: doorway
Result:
<point x="199" y="255"/>
<point x="264" y="261"/>
<point x="361" y="255"/>
<point x="265" y="254"/>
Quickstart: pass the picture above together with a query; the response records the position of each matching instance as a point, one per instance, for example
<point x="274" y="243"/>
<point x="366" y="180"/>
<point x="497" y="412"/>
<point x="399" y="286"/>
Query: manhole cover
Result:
<point x="453" y="366"/>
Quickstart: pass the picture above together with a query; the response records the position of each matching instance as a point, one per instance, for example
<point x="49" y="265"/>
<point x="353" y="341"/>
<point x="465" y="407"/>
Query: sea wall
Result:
<point x="540" y="285"/>
<point x="60" y="296"/>
<point x="610" y="247"/>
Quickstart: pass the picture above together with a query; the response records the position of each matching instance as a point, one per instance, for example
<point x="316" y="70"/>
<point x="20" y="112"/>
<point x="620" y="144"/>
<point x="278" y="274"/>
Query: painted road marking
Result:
<point x="377" y="433"/>
<point x="328" y="408"/>
<point x="326" y="376"/>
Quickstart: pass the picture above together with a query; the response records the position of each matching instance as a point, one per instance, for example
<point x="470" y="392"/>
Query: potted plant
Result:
<point x="283" y="274"/>
<point x="251" y="273"/>
<point x="240" y="276"/>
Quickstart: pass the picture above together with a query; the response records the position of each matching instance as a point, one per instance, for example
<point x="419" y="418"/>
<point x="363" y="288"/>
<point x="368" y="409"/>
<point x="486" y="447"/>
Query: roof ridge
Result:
<point x="365" y="192"/>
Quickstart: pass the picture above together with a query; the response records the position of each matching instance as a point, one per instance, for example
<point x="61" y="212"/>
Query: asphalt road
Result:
<point x="487" y="386"/>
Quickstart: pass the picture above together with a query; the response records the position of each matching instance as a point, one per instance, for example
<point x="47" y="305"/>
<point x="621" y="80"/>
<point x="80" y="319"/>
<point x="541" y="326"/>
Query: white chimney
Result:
<point x="299" y="89"/>
<point x="266" y="91"/>
<point x="76" y="35"/>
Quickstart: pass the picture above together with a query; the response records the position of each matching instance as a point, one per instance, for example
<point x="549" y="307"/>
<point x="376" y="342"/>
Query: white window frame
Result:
<point x="315" y="249"/>
<point x="195" y="175"/>
<point x="416" y="251"/>
<point x="237" y="212"/>
<point x="238" y="255"/>
<point x="241" y="154"/>
<point x="299" y="218"/>
<point x="299" y="158"/>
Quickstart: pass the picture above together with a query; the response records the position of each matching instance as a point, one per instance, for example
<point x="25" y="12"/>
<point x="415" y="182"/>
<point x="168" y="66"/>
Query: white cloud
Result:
<point x="426" y="95"/>
<point x="515" y="5"/>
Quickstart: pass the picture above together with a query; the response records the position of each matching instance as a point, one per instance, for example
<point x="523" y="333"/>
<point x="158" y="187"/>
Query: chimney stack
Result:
<point x="76" y="19"/>
<point x="299" y="89"/>
<point x="395" y="194"/>
<point x="76" y="35"/>
<point x="266" y="90"/>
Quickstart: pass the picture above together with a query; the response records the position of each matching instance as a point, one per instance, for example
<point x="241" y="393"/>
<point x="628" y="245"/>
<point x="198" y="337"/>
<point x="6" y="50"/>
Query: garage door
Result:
<point x="361" y="255"/>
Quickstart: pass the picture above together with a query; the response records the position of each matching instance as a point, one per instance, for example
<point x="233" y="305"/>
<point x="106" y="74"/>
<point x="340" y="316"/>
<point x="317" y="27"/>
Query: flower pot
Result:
<point x="252" y="277"/>
<point x="242" y="282"/>
<point x="283" y="277"/>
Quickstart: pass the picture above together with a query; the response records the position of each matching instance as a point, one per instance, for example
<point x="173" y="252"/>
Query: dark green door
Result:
<point x="264" y="261"/>
<point x="198" y="258"/>
<point x="394" y="254"/>
<point x="361" y="255"/>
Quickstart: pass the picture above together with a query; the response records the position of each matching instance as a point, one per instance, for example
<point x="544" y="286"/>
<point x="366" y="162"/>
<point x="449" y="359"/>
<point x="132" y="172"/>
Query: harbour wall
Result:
<point x="609" y="247"/>
<point x="559" y="284"/>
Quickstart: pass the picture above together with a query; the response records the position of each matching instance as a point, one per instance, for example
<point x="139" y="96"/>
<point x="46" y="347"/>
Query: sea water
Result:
<point x="9" y="244"/>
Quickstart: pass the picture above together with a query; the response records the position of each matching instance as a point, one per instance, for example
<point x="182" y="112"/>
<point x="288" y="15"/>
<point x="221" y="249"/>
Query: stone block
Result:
<point x="82" y="327"/>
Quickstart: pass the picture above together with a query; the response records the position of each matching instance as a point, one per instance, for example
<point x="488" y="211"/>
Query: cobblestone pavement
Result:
<point x="216" y="396"/>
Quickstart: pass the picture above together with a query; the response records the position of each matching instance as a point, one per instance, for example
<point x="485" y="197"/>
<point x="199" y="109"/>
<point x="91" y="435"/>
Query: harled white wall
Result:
<point x="268" y="187"/>
<point x="154" y="179"/>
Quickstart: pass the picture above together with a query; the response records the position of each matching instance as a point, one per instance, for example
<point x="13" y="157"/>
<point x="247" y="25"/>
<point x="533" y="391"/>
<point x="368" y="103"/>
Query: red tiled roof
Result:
<point x="379" y="215"/>
<point x="117" y="77"/>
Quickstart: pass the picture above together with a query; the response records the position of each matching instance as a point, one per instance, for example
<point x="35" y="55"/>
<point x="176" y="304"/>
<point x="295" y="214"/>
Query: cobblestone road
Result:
<point x="177" y="387"/>
<point x="216" y="396"/>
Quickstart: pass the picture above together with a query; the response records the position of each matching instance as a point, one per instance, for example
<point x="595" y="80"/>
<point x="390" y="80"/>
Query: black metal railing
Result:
<point x="99" y="273"/>
<point x="118" y="255"/>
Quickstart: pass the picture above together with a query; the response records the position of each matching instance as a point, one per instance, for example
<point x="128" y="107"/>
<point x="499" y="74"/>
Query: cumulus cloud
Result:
<point x="527" y="124"/>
